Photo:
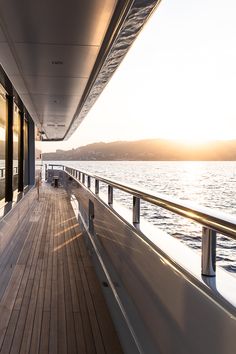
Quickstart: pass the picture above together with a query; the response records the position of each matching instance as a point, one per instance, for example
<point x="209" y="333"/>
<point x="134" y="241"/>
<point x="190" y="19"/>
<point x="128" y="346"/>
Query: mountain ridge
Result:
<point x="148" y="149"/>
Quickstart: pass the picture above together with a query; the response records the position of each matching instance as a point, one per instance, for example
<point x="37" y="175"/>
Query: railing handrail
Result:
<point x="212" y="221"/>
<point x="200" y="214"/>
<point x="219" y="221"/>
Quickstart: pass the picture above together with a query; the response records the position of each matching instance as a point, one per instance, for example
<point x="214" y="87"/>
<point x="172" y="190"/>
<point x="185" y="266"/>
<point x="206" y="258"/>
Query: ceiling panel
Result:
<point x="57" y="118"/>
<point x="61" y="104"/>
<point x="52" y="110"/>
<point x="57" y="21"/>
<point x="28" y="103"/>
<point x="56" y="60"/>
<point x="7" y="60"/>
<point x="55" y="85"/>
<point x="54" y="132"/>
<point x="18" y="82"/>
<point x="54" y="101"/>
<point x="2" y="36"/>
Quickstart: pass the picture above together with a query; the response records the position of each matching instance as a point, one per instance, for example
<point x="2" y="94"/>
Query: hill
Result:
<point x="150" y="150"/>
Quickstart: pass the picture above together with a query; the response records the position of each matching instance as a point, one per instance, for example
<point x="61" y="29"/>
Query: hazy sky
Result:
<point x="178" y="80"/>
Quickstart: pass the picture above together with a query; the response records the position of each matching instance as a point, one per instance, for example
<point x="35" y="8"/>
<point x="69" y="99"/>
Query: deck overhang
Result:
<point x="59" y="56"/>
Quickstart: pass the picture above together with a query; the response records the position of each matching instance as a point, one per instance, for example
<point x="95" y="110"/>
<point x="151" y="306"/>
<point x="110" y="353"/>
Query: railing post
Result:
<point x="79" y="175"/>
<point x="91" y="217"/>
<point x="46" y="172"/>
<point x="110" y="195"/>
<point x="96" y="186"/>
<point x="89" y="182"/>
<point x="83" y="178"/>
<point x="136" y="210"/>
<point x="208" y="252"/>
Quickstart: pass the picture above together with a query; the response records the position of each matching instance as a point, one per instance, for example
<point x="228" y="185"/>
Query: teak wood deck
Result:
<point x="50" y="298"/>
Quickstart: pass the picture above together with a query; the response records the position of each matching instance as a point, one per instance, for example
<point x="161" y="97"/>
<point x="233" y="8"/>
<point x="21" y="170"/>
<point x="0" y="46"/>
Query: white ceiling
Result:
<point x="48" y="49"/>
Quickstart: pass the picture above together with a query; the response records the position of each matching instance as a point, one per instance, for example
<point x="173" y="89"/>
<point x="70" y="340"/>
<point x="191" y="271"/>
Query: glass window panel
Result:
<point x="38" y="155"/>
<point x="26" y="161"/>
<point x="3" y="115"/>
<point x="16" y="126"/>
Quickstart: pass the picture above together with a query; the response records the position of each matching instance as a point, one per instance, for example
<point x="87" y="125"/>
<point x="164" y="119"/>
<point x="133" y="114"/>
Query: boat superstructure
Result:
<point x="56" y="58"/>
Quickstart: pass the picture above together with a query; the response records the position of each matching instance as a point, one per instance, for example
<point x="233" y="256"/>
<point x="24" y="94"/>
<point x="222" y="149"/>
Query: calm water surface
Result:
<point x="210" y="184"/>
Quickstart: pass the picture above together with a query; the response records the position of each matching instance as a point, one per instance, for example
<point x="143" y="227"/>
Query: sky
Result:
<point x="178" y="80"/>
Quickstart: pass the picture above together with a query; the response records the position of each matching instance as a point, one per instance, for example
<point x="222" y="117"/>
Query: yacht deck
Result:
<point x="50" y="298"/>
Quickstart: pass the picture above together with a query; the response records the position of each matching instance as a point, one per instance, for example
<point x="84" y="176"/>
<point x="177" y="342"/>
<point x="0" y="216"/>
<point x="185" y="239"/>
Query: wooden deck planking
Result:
<point x="25" y="292"/>
<point x="51" y="299"/>
<point x="87" y="329"/>
<point x="75" y="298"/>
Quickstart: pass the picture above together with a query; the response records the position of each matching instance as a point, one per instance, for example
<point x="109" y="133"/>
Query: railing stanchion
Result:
<point x="110" y="195"/>
<point x="96" y="186"/>
<point x="89" y="182"/>
<point x="136" y="210"/>
<point x="83" y="178"/>
<point x="208" y="252"/>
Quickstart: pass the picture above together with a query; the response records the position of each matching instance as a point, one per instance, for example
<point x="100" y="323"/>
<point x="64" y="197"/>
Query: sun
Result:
<point x="189" y="138"/>
<point x="193" y="140"/>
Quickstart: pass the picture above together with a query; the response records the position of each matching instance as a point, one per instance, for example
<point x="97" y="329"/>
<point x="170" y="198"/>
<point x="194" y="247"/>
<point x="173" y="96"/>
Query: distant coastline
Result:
<point x="148" y="150"/>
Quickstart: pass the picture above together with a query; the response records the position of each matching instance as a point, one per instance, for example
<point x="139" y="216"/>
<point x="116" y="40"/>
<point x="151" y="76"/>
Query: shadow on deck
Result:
<point x="50" y="298"/>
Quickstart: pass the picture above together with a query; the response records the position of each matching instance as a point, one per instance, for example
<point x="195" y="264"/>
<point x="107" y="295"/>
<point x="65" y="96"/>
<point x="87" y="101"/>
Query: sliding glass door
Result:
<point x="3" y="120"/>
<point x="16" y="129"/>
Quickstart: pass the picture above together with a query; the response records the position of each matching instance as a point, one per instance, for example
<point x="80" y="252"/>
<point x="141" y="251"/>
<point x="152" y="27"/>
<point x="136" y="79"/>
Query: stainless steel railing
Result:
<point x="213" y="222"/>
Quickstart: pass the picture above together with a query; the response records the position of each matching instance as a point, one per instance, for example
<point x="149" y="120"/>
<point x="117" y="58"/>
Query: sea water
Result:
<point x="210" y="184"/>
